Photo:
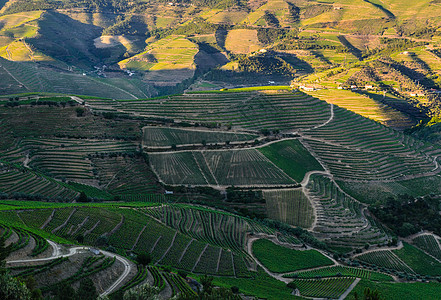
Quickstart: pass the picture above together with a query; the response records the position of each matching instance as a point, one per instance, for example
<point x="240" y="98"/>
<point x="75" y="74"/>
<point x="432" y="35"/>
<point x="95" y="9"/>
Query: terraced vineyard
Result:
<point x="354" y="148"/>
<point x="385" y="259"/>
<point x="320" y="288"/>
<point x="290" y="206"/>
<point x="429" y="244"/>
<point x="18" y="180"/>
<point x="254" y="111"/>
<point x="221" y="229"/>
<point x="295" y="151"/>
<point x="225" y="168"/>
<point x="194" y="239"/>
<point x="167" y="137"/>
<point x="340" y="218"/>
<point x="341" y="271"/>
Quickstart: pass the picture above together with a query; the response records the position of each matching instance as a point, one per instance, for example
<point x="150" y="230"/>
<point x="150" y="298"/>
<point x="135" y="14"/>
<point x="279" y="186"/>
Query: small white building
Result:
<point x="169" y="192"/>
<point x="307" y="88"/>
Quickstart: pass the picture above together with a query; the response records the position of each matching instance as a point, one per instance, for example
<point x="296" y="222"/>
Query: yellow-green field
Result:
<point x="364" y="106"/>
<point x="242" y="41"/>
<point x="171" y="53"/>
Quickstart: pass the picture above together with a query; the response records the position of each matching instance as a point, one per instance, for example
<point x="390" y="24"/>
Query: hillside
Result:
<point x="380" y="58"/>
<point x="263" y="157"/>
<point x="270" y="149"/>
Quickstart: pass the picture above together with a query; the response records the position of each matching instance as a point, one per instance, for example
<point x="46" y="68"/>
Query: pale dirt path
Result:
<point x="10" y="74"/>
<point x="115" y="87"/>
<point x="26" y="161"/>
<point x="328" y="121"/>
<point x="65" y="222"/>
<point x="250" y="252"/>
<point x="350" y="288"/>
<point x="398" y="247"/>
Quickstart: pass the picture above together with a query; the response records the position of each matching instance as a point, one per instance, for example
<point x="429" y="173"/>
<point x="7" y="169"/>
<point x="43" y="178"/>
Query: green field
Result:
<point x="260" y="285"/>
<point x="419" y="261"/>
<point x="292" y="158"/>
<point x="281" y="260"/>
<point x="397" y="291"/>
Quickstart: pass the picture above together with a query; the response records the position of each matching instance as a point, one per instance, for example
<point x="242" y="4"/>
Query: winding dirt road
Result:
<point x="57" y="253"/>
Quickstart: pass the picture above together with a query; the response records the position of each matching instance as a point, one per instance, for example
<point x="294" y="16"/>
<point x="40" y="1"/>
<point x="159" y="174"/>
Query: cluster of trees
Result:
<point x="11" y="288"/>
<point x="270" y="35"/>
<point x="390" y="46"/>
<point x="266" y="65"/>
<point x="407" y="215"/>
<point x="271" y="19"/>
<point x="127" y="25"/>
<point x="116" y="6"/>
<point x="241" y="196"/>
<point x="300" y="233"/>
<point x="307" y="44"/>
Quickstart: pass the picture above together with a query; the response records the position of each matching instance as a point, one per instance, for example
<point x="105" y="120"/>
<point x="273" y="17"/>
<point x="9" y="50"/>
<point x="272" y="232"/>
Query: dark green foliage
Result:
<point x="241" y="196"/>
<point x="80" y="111"/>
<point x="270" y="19"/>
<point x="144" y="258"/>
<point x="292" y="285"/>
<point x="266" y="64"/>
<point x="406" y="215"/>
<point x="31" y="284"/>
<point x="65" y="292"/>
<point x="12" y="289"/>
<point x="306" y="43"/>
<point x="126" y="26"/>
<point x="300" y="233"/>
<point x="87" y="290"/>
<point x="270" y="35"/>
<point x="83" y="197"/>
<point x="4" y="251"/>
<point x="391" y="46"/>
<point x="196" y="26"/>
<point x="368" y="294"/>
<point x="294" y="12"/>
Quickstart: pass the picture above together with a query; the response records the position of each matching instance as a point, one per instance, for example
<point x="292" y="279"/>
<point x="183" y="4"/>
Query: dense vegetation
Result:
<point x="407" y="215"/>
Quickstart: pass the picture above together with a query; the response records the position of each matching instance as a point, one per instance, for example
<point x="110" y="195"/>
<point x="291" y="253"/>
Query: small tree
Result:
<point x="183" y="274"/>
<point x="87" y="290"/>
<point x="80" y="111"/>
<point x="292" y="285"/>
<point x="83" y="197"/>
<point x="144" y="258"/>
<point x="235" y="289"/>
<point x="80" y="238"/>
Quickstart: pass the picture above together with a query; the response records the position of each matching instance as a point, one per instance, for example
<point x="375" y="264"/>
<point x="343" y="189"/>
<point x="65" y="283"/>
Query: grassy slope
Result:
<point x="419" y="261"/>
<point x="292" y="158"/>
<point x="280" y="259"/>
<point x="261" y="286"/>
<point x="372" y="192"/>
<point x="399" y="291"/>
<point x="173" y="52"/>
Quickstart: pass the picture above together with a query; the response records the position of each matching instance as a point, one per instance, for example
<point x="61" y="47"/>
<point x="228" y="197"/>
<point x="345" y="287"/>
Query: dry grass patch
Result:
<point x="242" y="41"/>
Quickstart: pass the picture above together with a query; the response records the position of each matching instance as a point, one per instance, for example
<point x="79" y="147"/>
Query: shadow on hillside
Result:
<point x="355" y="51"/>
<point x="68" y="40"/>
